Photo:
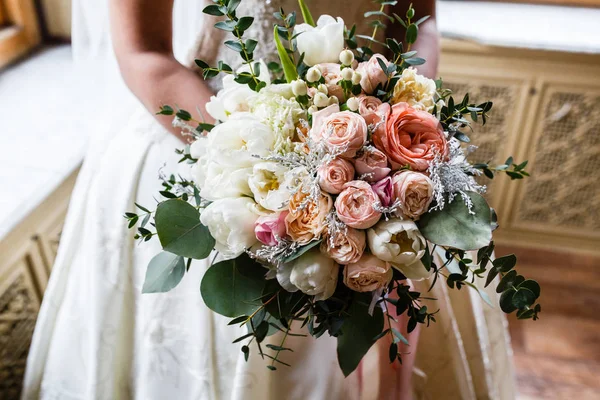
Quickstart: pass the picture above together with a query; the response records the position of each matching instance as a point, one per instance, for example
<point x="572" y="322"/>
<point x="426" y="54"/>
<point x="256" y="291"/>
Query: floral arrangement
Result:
<point x="332" y="177"/>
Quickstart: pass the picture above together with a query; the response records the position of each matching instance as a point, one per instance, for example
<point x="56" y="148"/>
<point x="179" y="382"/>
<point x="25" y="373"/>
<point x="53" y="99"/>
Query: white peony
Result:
<point x="217" y="181"/>
<point x="270" y="183"/>
<point x="323" y="43"/>
<point x="400" y="243"/>
<point x="234" y="97"/>
<point x="237" y="141"/>
<point x="313" y="273"/>
<point x="231" y="223"/>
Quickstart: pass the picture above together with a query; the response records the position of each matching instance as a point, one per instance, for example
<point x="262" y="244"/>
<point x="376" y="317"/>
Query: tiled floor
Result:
<point x="558" y="357"/>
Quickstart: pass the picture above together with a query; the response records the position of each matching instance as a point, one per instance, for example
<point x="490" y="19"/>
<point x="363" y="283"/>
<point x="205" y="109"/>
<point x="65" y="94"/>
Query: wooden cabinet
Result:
<point x="547" y="110"/>
<point x="26" y="257"/>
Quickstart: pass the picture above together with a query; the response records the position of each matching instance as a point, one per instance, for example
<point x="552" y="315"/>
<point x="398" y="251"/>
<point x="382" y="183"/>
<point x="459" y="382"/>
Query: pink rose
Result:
<point x="319" y="117"/>
<point x="373" y="164"/>
<point x="371" y="73"/>
<point x="411" y="137"/>
<point x="367" y="274"/>
<point x="334" y="175"/>
<point x="367" y="107"/>
<point x="270" y="228"/>
<point x="344" y="130"/>
<point x="332" y="74"/>
<point x="385" y="191"/>
<point x="415" y="192"/>
<point x="345" y="248"/>
<point x="354" y="206"/>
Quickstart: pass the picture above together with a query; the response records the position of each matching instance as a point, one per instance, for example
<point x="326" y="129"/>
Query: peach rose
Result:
<point x="334" y="175"/>
<point x="354" y="206"/>
<point x="367" y="107"/>
<point x="332" y="74"/>
<point x="415" y="192"/>
<point x="411" y="138"/>
<point x="367" y="274"/>
<point x="342" y="131"/>
<point x="373" y="164"/>
<point x="345" y="249"/>
<point x="371" y="73"/>
<point x="303" y="224"/>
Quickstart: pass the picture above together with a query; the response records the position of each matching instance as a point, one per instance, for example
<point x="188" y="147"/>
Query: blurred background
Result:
<point x="539" y="60"/>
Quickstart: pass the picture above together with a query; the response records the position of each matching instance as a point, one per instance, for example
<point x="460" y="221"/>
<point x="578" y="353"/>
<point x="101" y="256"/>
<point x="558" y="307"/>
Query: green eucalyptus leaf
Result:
<point x="531" y="285"/>
<point x="411" y="33"/>
<point x="508" y="281"/>
<point x="523" y="298"/>
<point x="164" y="272"/>
<point x="455" y="227"/>
<point x="180" y="230"/>
<point x="358" y="331"/>
<point x="233" y="287"/>
<point x="302" y="250"/>
<point x="506" y="301"/>
<point x="505" y="263"/>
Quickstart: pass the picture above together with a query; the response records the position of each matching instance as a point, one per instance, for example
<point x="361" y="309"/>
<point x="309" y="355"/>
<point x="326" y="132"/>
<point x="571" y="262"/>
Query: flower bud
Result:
<point x="347" y="74"/>
<point x="299" y="87"/>
<point x="352" y="104"/>
<point x="333" y="100"/>
<point x="346" y="57"/>
<point x="313" y="109"/>
<point x="356" y="78"/>
<point x="321" y="100"/>
<point x="323" y="88"/>
<point x="313" y="74"/>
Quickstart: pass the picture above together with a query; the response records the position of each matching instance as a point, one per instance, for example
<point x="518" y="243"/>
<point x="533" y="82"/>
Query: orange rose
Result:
<point x="411" y="138"/>
<point x="304" y="224"/>
<point x="354" y="206"/>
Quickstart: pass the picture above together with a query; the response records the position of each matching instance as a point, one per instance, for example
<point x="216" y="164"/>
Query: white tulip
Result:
<point x="347" y="74"/>
<point x="269" y="185"/>
<point x="299" y="88"/>
<point x="352" y="103"/>
<point x="400" y="243"/>
<point x="346" y="57"/>
<point x="313" y="74"/>
<point x="322" y="43"/>
<point x="313" y="273"/>
<point x="231" y="222"/>
<point x="321" y="100"/>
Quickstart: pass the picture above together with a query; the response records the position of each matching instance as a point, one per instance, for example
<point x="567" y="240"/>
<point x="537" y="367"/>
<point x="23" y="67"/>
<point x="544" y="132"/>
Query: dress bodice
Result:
<point x="209" y="45"/>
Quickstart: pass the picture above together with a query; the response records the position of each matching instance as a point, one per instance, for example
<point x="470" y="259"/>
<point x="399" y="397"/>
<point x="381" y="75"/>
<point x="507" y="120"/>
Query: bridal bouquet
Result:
<point x="332" y="177"/>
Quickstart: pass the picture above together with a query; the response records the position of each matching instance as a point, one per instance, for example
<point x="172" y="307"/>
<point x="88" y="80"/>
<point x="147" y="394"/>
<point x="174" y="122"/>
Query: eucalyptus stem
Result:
<point x="375" y="28"/>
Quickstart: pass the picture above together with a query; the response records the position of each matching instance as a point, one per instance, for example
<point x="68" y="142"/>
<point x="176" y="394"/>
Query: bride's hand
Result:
<point x="143" y="42"/>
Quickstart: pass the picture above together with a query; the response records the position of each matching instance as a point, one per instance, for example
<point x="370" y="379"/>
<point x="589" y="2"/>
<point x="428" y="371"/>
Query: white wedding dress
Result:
<point x="98" y="337"/>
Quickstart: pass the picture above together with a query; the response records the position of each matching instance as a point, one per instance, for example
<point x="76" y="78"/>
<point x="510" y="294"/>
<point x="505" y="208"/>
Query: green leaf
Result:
<point x="289" y="69"/>
<point x="250" y="46"/>
<point x="523" y="298"/>
<point x="423" y="19"/>
<point x="227" y="26"/>
<point x="508" y="281"/>
<point x="358" y="331"/>
<point x="505" y="263"/>
<point x="306" y="15"/>
<point x="455" y="227"/>
<point x="180" y="231"/>
<point x="233" y="45"/>
<point x="393" y="352"/>
<point x="302" y="250"/>
<point x="213" y="9"/>
<point x="506" y="301"/>
<point x="531" y="285"/>
<point x="164" y="272"/>
<point x="415" y="61"/>
<point x="244" y="23"/>
<point x="233" y="287"/>
<point x="411" y="33"/>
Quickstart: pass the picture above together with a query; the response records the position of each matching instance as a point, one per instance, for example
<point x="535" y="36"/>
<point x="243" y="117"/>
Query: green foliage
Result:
<point x="359" y="330"/>
<point x="233" y="287"/>
<point x="454" y="226"/>
<point x="289" y="68"/>
<point x="306" y="15"/>
<point x="164" y="272"/>
<point x="180" y="230"/>
<point x="514" y="171"/>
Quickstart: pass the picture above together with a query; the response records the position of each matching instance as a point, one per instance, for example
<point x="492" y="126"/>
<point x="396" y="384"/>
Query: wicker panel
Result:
<point x="563" y="191"/>
<point x="18" y="312"/>
<point x="490" y="138"/>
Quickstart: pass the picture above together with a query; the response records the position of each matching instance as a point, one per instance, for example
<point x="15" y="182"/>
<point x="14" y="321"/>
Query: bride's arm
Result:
<point x="428" y="41"/>
<point x="142" y="37"/>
